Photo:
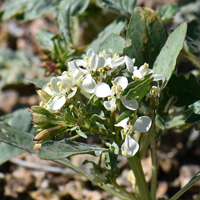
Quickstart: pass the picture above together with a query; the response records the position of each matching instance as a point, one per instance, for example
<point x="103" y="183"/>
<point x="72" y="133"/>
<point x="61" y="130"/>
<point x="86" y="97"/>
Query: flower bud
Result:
<point x="40" y="110"/>
<point x="44" y="95"/>
<point x="36" y="146"/>
<point x="47" y="134"/>
<point x="40" y="122"/>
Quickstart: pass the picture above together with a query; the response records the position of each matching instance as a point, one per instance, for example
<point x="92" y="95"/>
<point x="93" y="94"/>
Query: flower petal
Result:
<point x="89" y="52"/>
<point x="118" y="61"/>
<point x="122" y="81"/>
<point x="130" y="147"/>
<point x="93" y="62"/>
<point x="110" y="105"/>
<point x="102" y="90"/>
<point x="89" y="84"/>
<point x="129" y="104"/>
<point x="74" y="90"/>
<point x="142" y="124"/>
<point x="123" y="123"/>
<point x="54" y="85"/>
<point x="129" y="64"/>
<point x="57" y="102"/>
<point x="137" y="74"/>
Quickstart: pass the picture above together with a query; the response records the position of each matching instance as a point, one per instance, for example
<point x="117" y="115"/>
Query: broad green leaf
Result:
<point x="16" y="137"/>
<point x="15" y="65"/>
<point x="186" y="90"/>
<point x="8" y="151"/>
<point x="113" y="44"/>
<point x="44" y="38"/>
<point x="61" y="149"/>
<point x="140" y="90"/>
<point x="37" y="8"/>
<point x="124" y="7"/>
<point x="148" y="35"/>
<point x="115" y="27"/>
<point x="12" y="8"/>
<point x="124" y="115"/>
<point x="38" y="83"/>
<point x="20" y="119"/>
<point x="166" y="60"/>
<point x="167" y="11"/>
<point x="68" y="9"/>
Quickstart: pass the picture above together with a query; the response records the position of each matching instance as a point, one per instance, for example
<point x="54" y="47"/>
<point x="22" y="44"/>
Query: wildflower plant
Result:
<point x="114" y="88"/>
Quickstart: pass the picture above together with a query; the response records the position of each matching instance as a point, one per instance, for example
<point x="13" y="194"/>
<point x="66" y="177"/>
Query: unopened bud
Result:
<point x="36" y="146"/>
<point x="40" y="122"/>
<point x="41" y="110"/>
<point x="47" y="134"/>
<point x="44" y="95"/>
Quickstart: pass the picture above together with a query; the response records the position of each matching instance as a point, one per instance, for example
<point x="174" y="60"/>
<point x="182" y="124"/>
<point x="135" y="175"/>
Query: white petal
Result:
<point x="129" y="64"/>
<point x="67" y="80"/>
<point x="74" y="90"/>
<point x="47" y="89"/>
<point x="129" y="104"/>
<point x="89" y="84"/>
<point x="142" y="124"/>
<point x="138" y="74"/>
<point x="118" y="61"/>
<point x="58" y="102"/>
<point x="110" y="105"/>
<point x="101" y="62"/>
<point x="130" y="147"/>
<point x="123" y="123"/>
<point x="93" y="62"/>
<point x="72" y="65"/>
<point x="54" y="85"/>
<point x="122" y="81"/>
<point x="102" y="90"/>
<point x="89" y="52"/>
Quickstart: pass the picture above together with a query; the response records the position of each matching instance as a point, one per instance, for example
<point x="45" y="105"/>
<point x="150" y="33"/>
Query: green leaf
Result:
<point x="16" y="137"/>
<point x="148" y="35"/>
<point x="61" y="149"/>
<point x="38" y="83"/>
<point x="68" y="9"/>
<point x="115" y="27"/>
<point x="124" y="115"/>
<point x="8" y="151"/>
<point x="37" y="8"/>
<point x="140" y="90"/>
<point x="166" y="60"/>
<point x="44" y="38"/>
<point x="12" y="8"/>
<point x="186" y="90"/>
<point x="21" y="120"/>
<point x="113" y="44"/>
<point x="124" y="7"/>
<point x="167" y="11"/>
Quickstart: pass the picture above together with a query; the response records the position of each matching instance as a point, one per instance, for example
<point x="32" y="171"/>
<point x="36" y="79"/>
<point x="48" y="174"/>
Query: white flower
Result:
<point x="119" y="84"/>
<point x="130" y="147"/>
<point x="110" y="105"/>
<point x="142" y="72"/>
<point x="130" y="64"/>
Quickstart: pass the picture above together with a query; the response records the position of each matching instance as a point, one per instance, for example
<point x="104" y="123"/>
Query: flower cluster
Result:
<point x="96" y="76"/>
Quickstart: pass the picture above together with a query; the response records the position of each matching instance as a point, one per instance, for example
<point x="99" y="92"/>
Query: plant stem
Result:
<point x="136" y="166"/>
<point x="190" y="57"/>
<point x="194" y="180"/>
<point x="66" y="162"/>
<point x="112" y="120"/>
<point x="154" y="162"/>
<point x="124" y="190"/>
